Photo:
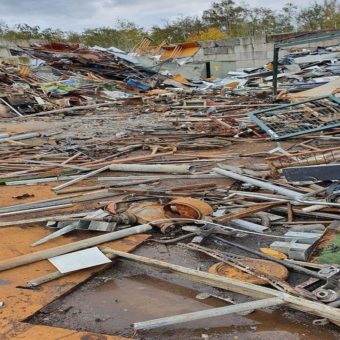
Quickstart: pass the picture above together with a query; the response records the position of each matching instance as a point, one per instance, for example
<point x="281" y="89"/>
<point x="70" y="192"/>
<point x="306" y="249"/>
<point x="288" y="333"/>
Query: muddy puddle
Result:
<point x="128" y="293"/>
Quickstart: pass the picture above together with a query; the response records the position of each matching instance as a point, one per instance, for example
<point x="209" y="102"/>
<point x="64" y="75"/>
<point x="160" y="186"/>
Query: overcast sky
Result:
<point x="77" y="15"/>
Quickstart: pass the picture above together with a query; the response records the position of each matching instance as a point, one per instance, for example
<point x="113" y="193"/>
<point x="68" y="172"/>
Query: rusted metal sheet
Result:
<point x="179" y="51"/>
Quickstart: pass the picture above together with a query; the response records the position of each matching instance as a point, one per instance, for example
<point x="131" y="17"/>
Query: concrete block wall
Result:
<point x="247" y="52"/>
<point x="253" y="52"/>
<point x="241" y="52"/>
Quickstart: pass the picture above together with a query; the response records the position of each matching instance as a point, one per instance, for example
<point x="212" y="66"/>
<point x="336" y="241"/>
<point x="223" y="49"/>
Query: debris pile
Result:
<point x="198" y="171"/>
<point x="299" y="70"/>
<point x="61" y="75"/>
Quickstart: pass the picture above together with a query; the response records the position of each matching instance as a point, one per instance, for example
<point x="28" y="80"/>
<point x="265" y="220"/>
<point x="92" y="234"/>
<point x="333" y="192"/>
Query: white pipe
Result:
<point x="21" y="137"/>
<point x="248" y="225"/>
<point x="56" y="234"/>
<point x="41" y="180"/>
<point x="160" y="177"/>
<point x="80" y="178"/>
<point x="209" y="313"/>
<point x="173" y="169"/>
<point x="11" y="107"/>
<point x="28" y="211"/>
<point x="265" y="185"/>
<point x="298" y="197"/>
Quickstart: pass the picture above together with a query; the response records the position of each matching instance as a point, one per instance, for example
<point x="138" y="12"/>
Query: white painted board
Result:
<point x="79" y="260"/>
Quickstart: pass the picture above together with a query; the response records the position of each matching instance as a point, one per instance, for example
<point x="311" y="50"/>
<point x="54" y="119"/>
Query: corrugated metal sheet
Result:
<point x="179" y="51"/>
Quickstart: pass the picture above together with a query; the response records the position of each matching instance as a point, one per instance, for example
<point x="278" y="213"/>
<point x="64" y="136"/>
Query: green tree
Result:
<point x="331" y="14"/>
<point x="260" y="20"/>
<point x="25" y="31"/>
<point x="73" y="37"/>
<point x="177" y="30"/>
<point x="212" y="33"/>
<point x="51" y="34"/>
<point x="286" y="19"/>
<point x="316" y="17"/>
<point x="103" y="36"/>
<point x="129" y="34"/>
<point x="124" y="35"/>
<point x="225" y="15"/>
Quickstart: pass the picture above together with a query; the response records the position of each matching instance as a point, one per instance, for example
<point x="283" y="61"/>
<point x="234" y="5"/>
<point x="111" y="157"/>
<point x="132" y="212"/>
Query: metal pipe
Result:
<point x="161" y="177"/>
<point x="11" y="107"/>
<point x="208" y="313"/>
<point x="165" y="168"/>
<point x="265" y="185"/>
<point x="27" y="211"/>
<point x="21" y="137"/>
<point x="80" y="178"/>
<point x="56" y="234"/>
<point x="68" y="248"/>
<point x="275" y="68"/>
<point x="75" y="198"/>
<point x="40" y="180"/>
<point x="248" y="225"/>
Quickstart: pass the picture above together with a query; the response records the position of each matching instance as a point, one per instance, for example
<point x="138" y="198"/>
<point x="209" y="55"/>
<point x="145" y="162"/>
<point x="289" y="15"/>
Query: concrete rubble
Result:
<point x="239" y="188"/>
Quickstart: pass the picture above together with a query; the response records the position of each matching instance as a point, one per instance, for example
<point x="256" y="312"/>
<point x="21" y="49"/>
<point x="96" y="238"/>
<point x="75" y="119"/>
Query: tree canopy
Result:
<point x="225" y="18"/>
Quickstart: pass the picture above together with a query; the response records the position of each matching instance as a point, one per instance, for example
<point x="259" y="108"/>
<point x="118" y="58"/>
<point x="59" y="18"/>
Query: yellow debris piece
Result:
<point x="274" y="253"/>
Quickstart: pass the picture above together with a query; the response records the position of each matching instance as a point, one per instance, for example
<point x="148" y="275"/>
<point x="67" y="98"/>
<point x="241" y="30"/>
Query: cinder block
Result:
<point x="245" y="41"/>
<point x="208" y="44"/>
<point x="270" y="55"/>
<point x="226" y="57"/>
<point x="246" y="56"/>
<point x="244" y="64"/>
<point x="228" y="42"/>
<point x="260" y="63"/>
<point x="260" y="55"/>
<point x="269" y="47"/>
<point x="260" y="47"/>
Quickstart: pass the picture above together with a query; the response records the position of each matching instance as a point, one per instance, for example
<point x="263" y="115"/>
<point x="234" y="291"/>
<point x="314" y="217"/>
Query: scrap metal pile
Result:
<point x="60" y="75"/>
<point x="200" y="172"/>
